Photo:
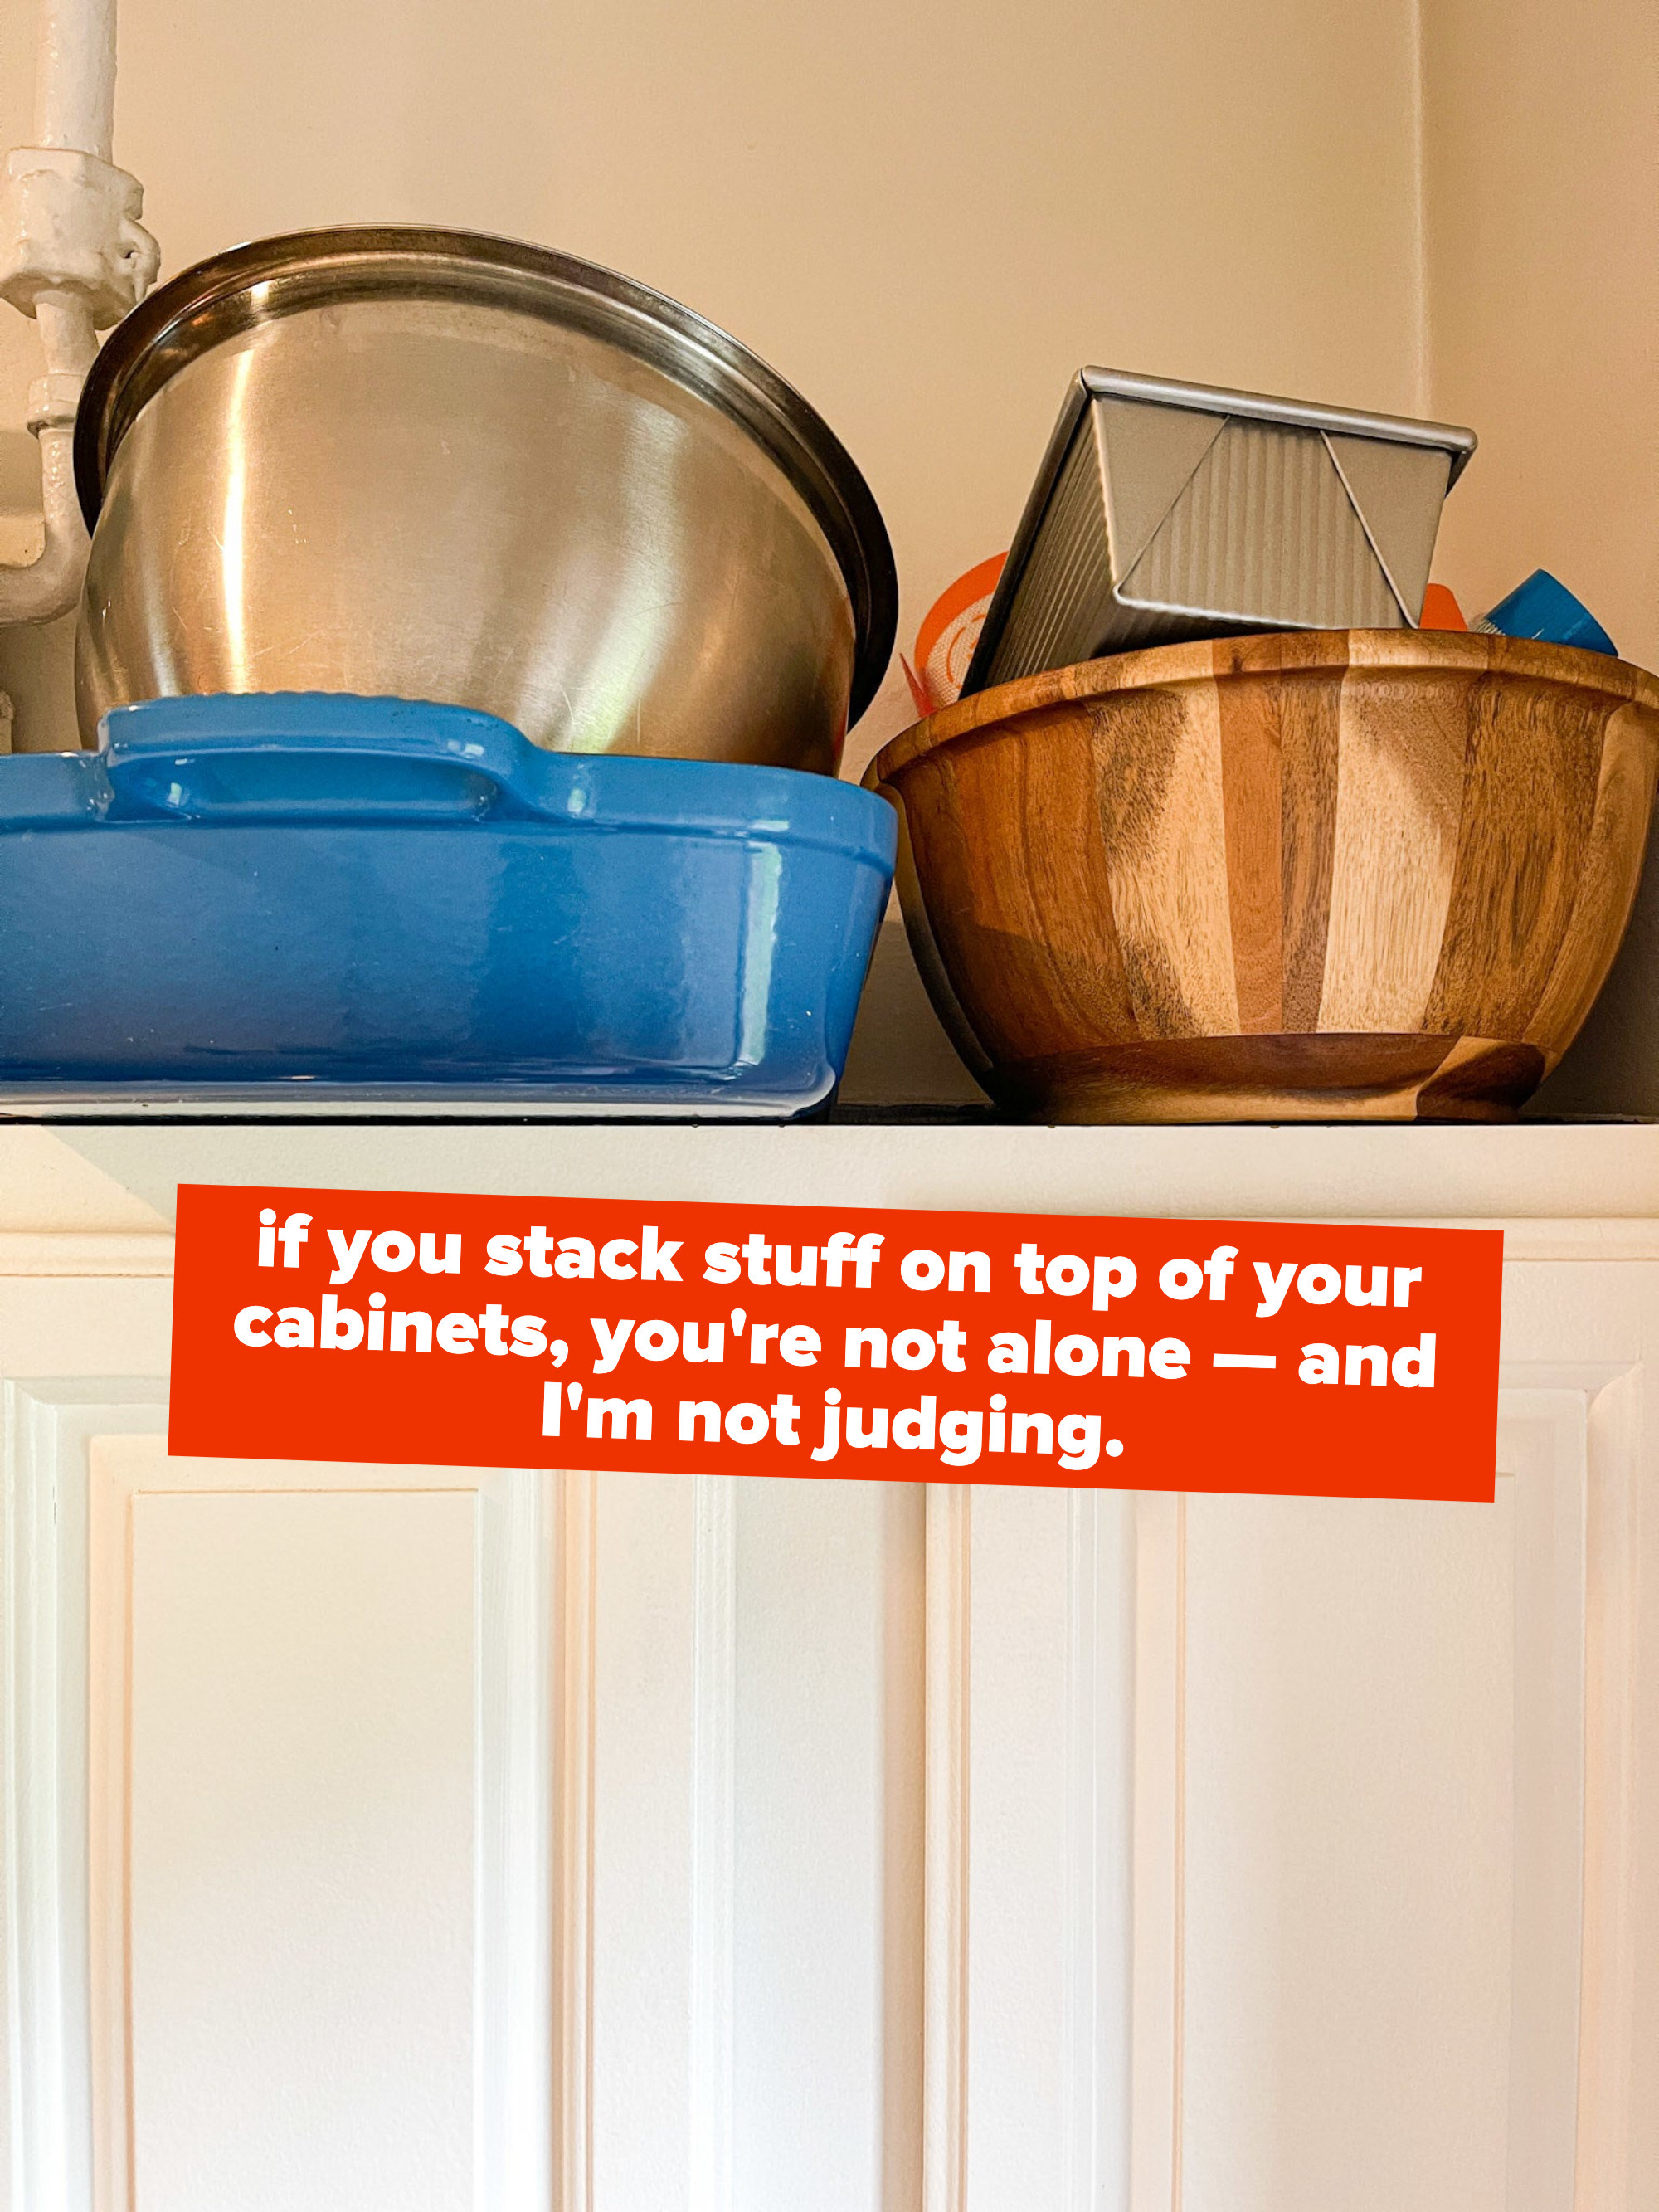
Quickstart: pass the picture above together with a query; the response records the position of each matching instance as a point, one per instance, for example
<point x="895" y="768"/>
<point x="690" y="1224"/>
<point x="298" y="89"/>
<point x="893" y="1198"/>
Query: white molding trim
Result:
<point x="714" y="1840"/>
<point x="1540" y="1237"/>
<point x="514" y="2139"/>
<point x="1542" y="1450"/>
<point x="945" y="1830"/>
<point x="1526" y="1236"/>
<point x="49" y="1428"/>
<point x="1607" y="2005"/>
<point x="1110" y="1561"/>
<point x="695" y="2139"/>
<point x="1101" y="1668"/>
<point x="1158" y="1719"/>
<point x="577" y="1571"/>
<point x="150" y="1252"/>
<point x="85" y="1252"/>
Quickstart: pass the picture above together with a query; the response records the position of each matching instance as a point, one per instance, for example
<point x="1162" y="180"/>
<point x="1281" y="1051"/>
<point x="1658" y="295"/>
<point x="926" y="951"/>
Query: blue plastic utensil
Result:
<point x="377" y="897"/>
<point x="1543" y="608"/>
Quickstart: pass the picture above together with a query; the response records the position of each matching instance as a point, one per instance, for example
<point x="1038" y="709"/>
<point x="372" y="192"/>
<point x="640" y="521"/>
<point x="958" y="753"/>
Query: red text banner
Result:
<point x="1070" y="1350"/>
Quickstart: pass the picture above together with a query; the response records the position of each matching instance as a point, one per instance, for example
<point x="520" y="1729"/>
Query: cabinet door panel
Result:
<point x="279" y="1809"/>
<point x="299" y="1862"/>
<point x="1348" y="1881"/>
<point x="1286" y="1853"/>
<point x="742" y="1695"/>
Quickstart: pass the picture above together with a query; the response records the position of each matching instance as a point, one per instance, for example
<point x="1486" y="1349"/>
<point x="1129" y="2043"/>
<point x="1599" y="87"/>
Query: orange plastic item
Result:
<point x="949" y="632"/>
<point x="1440" y="610"/>
<point x="923" y="704"/>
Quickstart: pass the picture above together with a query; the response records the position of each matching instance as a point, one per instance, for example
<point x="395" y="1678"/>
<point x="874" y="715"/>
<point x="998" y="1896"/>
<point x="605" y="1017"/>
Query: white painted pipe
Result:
<point x="74" y="112"/>
<point x="75" y="79"/>
<point x="50" y="586"/>
<point x="69" y="338"/>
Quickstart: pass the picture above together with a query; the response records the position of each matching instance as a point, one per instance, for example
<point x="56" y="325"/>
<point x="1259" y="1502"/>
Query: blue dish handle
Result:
<point x="302" y="757"/>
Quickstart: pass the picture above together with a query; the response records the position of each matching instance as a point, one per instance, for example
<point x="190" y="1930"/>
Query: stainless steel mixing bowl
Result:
<point x="442" y="466"/>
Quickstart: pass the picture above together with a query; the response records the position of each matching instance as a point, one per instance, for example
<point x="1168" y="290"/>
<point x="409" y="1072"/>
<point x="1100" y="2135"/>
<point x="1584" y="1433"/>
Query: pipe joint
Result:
<point x="52" y="401"/>
<point x="49" y="585"/>
<point x="69" y="231"/>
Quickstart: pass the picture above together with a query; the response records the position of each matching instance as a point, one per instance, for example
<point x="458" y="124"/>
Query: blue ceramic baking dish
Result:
<point x="371" y="897"/>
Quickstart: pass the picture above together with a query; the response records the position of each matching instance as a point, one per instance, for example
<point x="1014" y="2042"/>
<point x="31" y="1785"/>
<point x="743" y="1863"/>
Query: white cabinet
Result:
<point x="494" y="1842"/>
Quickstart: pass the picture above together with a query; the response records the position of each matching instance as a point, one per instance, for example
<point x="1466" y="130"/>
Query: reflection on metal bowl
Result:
<point x="446" y="467"/>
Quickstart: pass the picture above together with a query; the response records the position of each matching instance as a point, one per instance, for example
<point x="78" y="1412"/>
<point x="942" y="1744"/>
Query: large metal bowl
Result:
<point x="439" y="466"/>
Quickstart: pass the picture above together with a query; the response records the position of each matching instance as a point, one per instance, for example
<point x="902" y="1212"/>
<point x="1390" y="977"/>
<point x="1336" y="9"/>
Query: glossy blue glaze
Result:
<point x="379" y="895"/>
<point x="1542" y="607"/>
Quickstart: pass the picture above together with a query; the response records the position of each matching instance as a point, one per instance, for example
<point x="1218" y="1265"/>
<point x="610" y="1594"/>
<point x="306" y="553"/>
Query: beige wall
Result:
<point x="1542" y="176"/>
<point x="1542" y="201"/>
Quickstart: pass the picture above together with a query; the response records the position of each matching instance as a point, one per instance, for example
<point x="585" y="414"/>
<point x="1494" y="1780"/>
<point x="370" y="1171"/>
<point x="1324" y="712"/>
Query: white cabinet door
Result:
<point x="1290" y="1853"/>
<point x="449" y="1839"/>
<point x="495" y="1842"/>
<point x="278" y="1824"/>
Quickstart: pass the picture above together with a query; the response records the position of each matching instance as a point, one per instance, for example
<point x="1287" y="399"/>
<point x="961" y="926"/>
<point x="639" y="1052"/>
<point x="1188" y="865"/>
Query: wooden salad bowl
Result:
<point x="1370" y="874"/>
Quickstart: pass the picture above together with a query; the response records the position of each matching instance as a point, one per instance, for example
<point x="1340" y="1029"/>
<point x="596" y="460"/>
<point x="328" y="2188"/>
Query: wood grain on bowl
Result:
<point x="1310" y="875"/>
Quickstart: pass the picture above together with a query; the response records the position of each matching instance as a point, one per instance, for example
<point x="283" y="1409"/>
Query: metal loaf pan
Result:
<point x="1165" y="511"/>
